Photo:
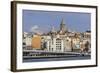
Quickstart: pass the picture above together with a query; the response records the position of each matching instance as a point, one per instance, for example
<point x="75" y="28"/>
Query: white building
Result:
<point x="27" y="40"/>
<point x="55" y="45"/>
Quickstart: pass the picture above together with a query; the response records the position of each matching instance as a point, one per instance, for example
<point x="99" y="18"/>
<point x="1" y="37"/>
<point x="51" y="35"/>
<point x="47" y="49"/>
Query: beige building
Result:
<point x="36" y="42"/>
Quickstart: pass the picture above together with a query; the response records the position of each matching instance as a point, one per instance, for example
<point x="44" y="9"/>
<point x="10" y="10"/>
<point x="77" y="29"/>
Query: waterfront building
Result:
<point x="36" y="42"/>
<point x="27" y="38"/>
<point x="55" y="45"/>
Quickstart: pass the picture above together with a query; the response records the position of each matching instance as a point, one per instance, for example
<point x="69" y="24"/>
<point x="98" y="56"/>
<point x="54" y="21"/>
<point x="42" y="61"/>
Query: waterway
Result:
<point x="64" y="58"/>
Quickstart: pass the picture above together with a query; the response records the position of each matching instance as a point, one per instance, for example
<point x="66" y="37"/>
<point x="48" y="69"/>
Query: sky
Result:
<point x="43" y="21"/>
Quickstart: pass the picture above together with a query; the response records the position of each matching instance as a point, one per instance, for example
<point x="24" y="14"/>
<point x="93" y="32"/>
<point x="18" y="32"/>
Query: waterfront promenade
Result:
<point x="39" y="55"/>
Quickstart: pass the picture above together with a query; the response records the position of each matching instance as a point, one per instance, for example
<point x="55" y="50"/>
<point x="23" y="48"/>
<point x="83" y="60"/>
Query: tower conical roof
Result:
<point x="62" y="22"/>
<point x="62" y="25"/>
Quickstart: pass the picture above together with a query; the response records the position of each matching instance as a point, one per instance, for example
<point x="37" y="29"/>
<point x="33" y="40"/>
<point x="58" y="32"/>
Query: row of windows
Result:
<point x="58" y="48"/>
<point x="58" y="44"/>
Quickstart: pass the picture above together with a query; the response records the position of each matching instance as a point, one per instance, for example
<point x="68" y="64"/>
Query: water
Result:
<point x="65" y="58"/>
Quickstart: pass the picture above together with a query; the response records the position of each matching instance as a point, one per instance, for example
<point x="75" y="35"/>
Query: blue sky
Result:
<point x="42" y="21"/>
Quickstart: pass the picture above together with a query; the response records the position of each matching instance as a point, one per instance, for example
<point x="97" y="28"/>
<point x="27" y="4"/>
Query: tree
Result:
<point x="86" y="46"/>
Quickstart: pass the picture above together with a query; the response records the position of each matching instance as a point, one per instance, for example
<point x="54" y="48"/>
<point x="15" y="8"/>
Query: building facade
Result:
<point x="36" y="42"/>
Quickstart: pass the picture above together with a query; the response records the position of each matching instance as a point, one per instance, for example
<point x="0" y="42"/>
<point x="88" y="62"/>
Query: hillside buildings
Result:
<point x="58" y="41"/>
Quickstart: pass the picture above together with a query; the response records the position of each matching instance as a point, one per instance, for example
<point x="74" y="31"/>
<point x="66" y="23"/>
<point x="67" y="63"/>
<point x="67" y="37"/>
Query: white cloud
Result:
<point x="36" y="29"/>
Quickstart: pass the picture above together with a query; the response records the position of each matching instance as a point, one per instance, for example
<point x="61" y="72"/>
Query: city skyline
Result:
<point x="59" y="41"/>
<point x="42" y="21"/>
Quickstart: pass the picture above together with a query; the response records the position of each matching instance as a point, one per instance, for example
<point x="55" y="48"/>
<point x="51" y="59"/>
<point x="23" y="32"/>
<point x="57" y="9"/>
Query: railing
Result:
<point x="45" y="53"/>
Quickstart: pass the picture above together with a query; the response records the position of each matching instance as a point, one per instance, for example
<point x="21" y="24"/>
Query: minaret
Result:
<point x="53" y="29"/>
